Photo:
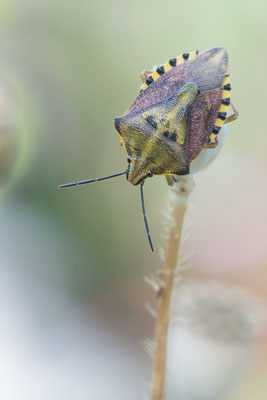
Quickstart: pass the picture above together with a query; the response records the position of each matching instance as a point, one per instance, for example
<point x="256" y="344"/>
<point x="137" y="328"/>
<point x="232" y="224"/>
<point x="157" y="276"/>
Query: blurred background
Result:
<point x="72" y="312"/>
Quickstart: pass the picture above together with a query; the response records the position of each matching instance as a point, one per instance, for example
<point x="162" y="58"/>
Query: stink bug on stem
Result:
<point x="181" y="108"/>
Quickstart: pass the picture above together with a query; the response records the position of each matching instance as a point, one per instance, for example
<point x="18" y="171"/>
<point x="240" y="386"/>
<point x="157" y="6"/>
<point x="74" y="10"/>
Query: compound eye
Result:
<point x="149" y="175"/>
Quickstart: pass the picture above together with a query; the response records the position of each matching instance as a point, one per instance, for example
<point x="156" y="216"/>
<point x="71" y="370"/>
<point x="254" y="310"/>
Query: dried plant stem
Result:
<point x="179" y="198"/>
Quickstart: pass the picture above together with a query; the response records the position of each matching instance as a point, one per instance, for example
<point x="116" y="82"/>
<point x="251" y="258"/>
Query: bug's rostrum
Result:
<point x="138" y="171"/>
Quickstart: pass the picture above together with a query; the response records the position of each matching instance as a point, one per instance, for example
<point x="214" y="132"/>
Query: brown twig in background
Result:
<point x="179" y="197"/>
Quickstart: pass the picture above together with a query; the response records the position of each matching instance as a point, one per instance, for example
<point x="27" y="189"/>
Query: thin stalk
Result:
<point x="179" y="198"/>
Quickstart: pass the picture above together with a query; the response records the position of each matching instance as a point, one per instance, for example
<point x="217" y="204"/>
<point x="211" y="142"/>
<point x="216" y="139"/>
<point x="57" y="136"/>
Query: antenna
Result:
<point x="66" y="185"/>
<point x="145" y="218"/>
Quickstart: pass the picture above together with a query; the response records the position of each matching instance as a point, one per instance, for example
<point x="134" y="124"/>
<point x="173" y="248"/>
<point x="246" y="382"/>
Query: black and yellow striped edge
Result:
<point x="225" y="102"/>
<point x="167" y="66"/>
<point x="160" y="71"/>
<point x="225" y="99"/>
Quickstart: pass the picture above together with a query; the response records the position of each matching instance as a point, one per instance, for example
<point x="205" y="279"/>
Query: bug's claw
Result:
<point x="212" y="145"/>
<point x="144" y="74"/>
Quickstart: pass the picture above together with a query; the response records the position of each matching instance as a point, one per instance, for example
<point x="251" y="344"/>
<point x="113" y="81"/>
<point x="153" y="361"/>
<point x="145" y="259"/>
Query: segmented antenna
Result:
<point x="66" y="185"/>
<point x="145" y="218"/>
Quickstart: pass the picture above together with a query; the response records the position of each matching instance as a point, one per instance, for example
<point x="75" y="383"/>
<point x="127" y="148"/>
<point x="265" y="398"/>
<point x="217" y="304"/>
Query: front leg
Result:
<point x="212" y="145"/>
<point x="170" y="180"/>
<point x="146" y="73"/>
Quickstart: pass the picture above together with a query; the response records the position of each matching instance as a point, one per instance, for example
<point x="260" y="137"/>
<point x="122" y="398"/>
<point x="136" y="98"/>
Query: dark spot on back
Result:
<point x="185" y="56"/>
<point x="172" y="62"/>
<point x="166" y="133"/>
<point x="151" y="121"/>
<point x="173" y="137"/>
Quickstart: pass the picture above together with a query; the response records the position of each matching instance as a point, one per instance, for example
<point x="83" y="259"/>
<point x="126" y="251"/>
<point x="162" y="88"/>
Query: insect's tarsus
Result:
<point x="66" y="185"/>
<point x="145" y="218"/>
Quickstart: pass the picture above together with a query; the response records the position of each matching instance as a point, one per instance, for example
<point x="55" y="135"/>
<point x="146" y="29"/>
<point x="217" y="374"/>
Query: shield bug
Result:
<point x="180" y="110"/>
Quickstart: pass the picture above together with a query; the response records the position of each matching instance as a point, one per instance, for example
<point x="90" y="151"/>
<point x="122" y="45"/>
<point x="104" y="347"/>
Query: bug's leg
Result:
<point x="234" y="116"/>
<point x="170" y="180"/>
<point x="212" y="145"/>
<point x="145" y="74"/>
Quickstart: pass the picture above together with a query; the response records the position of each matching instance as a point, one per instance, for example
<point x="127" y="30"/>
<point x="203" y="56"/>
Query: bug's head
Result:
<point x="154" y="139"/>
<point x="137" y="171"/>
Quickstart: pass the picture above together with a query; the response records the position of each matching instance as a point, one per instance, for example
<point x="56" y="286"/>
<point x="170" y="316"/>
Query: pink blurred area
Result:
<point x="232" y="217"/>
